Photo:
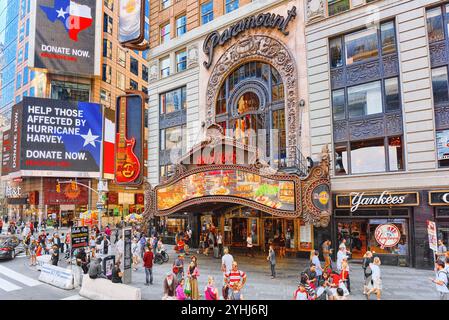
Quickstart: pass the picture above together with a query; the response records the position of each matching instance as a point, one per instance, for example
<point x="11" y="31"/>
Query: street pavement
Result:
<point x="19" y="281"/>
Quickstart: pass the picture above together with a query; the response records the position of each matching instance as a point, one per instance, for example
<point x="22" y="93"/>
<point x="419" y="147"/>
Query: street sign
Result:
<point x="432" y="233"/>
<point x="102" y="186"/>
<point x="100" y="206"/>
<point x="80" y="237"/>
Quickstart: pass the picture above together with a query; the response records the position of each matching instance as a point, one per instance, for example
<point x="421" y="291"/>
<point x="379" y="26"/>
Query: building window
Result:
<point x="365" y="99"/>
<point x="121" y="83"/>
<point x="134" y="66"/>
<point x="27" y="28"/>
<point x="336" y="53"/>
<point x="440" y="85"/>
<point x="165" y="67"/>
<point x="361" y="46"/>
<point x="133" y="84"/>
<point x="173" y="100"/>
<point x="337" y="6"/>
<point x="231" y="5"/>
<point x="435" y="29"/>
<point x="107" y="48"/>
<point x="220" y="107"/>
<point x="109" y="4"/>
<point x="277" y="86"/>
<point x="121" y="57"/>
<point x="181" y="60"/>
<point x="166" y="172"/>
<point x="388" y="38"/>
<point x="107" y="24"/>
<point x="338" y="104"/>
<point x="107" y="73"/>
<point x="392" y="102"/>
<point x="166" y="4"/>
<point x="62" y="90"/>
<point x="26" y="52"/>
<point x="173" y="138"/>
<point x="145" y="90"/>
<point x="181" y="26"/>
<point x="25" y="76"/>
<point x="105" y="95"/>
<point x="144" y="72"/>
<point x="165" y="33"/>
<point x="443" y="148"/>
<point x="19" y="80"/>
<point x="207" y="12"/>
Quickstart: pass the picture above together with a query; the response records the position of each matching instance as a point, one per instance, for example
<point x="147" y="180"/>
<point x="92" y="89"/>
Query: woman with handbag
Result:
<point x="192" y="275"/>
<point x="211" y="292"/>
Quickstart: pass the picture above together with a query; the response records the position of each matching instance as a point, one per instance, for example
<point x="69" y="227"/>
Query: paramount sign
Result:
<point x="356" y="200"/>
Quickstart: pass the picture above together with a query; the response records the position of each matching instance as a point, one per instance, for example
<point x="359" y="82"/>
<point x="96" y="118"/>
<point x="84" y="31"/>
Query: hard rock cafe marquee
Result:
<point x="225" y="178"/>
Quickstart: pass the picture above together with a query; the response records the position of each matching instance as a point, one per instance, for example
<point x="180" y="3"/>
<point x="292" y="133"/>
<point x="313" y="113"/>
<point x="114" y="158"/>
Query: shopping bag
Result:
<point x="187" y="287"/>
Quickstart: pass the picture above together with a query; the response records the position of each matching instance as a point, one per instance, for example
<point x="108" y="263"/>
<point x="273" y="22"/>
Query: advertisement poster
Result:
<point x="58" y="136"/>
<point x="432" y="233"/>
<point x="129" y="140"/>
<point x="269" y="192"/>
<point x="63" y="36"/>
<point x="443" y="144"/>
<point x="127" y="255"/>
<point x="80" y="237"/>
<point x="6" y="152"/>
<point x="131" y="22"/>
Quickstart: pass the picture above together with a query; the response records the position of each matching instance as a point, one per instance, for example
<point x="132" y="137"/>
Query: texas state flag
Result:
<point x="75" y="17"/>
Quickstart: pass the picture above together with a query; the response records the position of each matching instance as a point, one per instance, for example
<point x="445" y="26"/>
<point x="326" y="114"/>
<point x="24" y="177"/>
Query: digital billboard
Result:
<point x="443" y="144"/>
<point x="63" y="138"/>
<point x="63" y="36"/>
<point x="131" y="21"/>
<point x="233" y="183"/>
<point x="129" y="166"/>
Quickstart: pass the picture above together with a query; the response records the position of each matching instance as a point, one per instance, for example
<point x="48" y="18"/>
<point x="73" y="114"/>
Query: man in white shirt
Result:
<point x="226" y="264"/>
<point x="343" y="245"/>
<point x="441" y="280"/>
<point x="341" y="255"/>
<point x="249" y="245"/>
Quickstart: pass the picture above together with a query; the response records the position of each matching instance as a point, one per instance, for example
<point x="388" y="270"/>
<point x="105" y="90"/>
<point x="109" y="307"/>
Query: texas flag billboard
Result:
<point x="63" y="36"/>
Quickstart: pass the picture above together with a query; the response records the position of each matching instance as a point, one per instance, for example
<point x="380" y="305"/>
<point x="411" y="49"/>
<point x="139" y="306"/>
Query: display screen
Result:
<point x="443" y="144"/>
<point x="234" y="183"/>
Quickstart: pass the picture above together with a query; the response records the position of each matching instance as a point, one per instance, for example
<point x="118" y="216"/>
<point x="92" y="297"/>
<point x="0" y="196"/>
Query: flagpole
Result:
<point x="100" y="193"/>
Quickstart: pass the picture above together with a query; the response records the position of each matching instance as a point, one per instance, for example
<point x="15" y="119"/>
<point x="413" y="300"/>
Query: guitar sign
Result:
<point x="127" y="164"/>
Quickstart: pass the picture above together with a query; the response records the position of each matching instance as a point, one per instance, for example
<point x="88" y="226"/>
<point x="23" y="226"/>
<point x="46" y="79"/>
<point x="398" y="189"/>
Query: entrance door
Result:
<point x="239" y="231"/>
<point x="355" y="233"/>
<point x="273" y="228"/>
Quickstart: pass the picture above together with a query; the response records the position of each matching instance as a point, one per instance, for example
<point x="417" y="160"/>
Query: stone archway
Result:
<point x="265" y="49"/>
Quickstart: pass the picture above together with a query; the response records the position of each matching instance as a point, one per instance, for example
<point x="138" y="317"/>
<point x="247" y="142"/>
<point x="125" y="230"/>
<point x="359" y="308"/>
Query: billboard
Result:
<point x="131" y="21"/>
<point x="6" y="152"/>
<point x="61" y="138"/>
<point x="63" y="36"/>
<point x="129" y="139"/>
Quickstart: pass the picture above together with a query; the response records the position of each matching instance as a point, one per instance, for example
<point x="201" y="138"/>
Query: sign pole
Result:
<point x="100" y="178"/>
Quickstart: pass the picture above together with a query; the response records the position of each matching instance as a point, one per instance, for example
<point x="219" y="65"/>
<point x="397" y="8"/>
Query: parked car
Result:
<point x="10" y="247"/>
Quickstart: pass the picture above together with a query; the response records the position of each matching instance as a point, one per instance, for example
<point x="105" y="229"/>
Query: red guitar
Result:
<point x="127" y="165"/>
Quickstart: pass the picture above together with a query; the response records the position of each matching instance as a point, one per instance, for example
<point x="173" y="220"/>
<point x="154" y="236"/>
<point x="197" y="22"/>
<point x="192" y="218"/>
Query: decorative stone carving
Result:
<point x="315" y="9"/>
<point x="393" y="123"/>
<point x="265" y="49"/>
<point x="390" y="65"/>
<point x="365" y="129"/>
<point x="192" y="56"/>
<point x="154" y="70"/>
<point x="362" y="73"/>
<point x="172" y="119"/>
<point x="341" y="131"/>
<point x="442" y="117"/>
<point x="337" y="78"/>
<point x="438" y="53"/>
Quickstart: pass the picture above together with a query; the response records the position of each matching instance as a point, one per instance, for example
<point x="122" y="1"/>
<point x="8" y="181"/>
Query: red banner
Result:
<point x="68" y="194"/>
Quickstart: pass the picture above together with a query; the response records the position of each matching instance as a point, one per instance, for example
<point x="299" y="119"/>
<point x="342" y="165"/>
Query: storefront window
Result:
<point x="365" y="99"/>
<point x="368" y="156"/>
<point x="171" y="226"/>
<point x="435" y="25"/>
<point x="361" y="46"/>
<point x="290" y="234"/>
<point x="401" y="248"/>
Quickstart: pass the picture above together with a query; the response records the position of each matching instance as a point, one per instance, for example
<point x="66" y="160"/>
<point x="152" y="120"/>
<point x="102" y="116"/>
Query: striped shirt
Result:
<point x="234" y="277"/>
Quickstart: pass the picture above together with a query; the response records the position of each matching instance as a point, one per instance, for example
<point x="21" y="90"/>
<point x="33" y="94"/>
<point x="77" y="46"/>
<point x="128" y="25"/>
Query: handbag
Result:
<point x="187" y="287"/>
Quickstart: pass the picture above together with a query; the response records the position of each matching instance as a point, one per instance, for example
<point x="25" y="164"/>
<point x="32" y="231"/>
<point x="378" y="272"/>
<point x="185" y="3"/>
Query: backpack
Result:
<point x="447" y="277"/>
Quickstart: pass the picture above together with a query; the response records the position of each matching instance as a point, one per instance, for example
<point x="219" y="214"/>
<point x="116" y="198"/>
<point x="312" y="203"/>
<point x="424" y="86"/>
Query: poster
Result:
<point x="305" y="236"/>
<point x="127" y="255"/>
<point x="432" y="233"/>
<point x="65" y="36"/>
<point x="443" y="144"/>
<point x="269" y="192"/>
<point x="57" y="136"/>
<point x="80" y="237"/>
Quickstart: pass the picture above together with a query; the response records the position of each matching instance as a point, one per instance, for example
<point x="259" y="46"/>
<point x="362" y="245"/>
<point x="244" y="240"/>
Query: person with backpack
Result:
<point x="442" y="280"/>
<point x="367" y="272"/>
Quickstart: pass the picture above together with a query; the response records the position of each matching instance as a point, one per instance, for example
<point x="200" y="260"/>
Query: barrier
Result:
<point x="57" y="276"/>
<point x="104" y="289"/>
<point x="41" y="260"/>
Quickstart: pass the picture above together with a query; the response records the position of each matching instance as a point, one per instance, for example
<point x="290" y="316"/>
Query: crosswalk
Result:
<point x="11" y="280"/>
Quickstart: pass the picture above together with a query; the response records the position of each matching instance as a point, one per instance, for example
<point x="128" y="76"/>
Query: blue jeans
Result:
<point x="149" y="272"/>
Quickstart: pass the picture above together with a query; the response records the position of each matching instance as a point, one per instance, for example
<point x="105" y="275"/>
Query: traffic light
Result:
<point x="74" y="185"/>
<point x="58" y="188"/>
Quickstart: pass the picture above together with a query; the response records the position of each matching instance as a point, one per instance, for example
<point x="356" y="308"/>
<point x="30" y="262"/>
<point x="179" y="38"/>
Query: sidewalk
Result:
<point x="399" y="283"/>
